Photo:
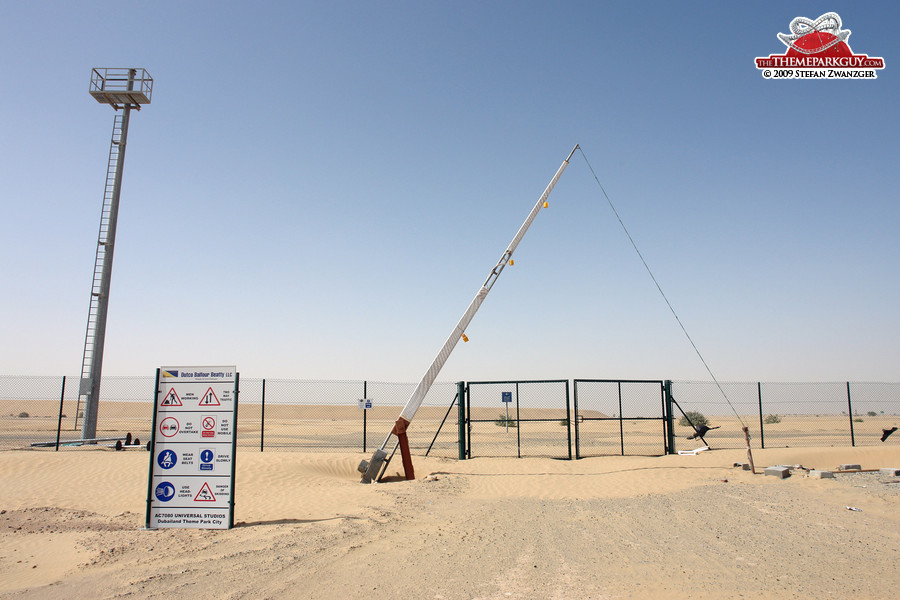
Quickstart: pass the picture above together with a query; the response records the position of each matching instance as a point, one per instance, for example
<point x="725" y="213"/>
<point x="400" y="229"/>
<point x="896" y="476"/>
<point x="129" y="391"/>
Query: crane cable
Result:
<point x="658" y="287"/>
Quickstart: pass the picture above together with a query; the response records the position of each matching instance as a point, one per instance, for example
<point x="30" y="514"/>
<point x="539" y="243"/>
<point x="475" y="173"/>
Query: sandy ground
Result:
<point x="71" y="526"/>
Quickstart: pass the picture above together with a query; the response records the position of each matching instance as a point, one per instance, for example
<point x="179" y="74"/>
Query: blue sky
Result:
<point x="318" y="190"/>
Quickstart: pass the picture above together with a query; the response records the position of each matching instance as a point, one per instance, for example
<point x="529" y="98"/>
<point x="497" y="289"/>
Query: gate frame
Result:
<point x="666" y="416"/>
<point x="469" y="420"/>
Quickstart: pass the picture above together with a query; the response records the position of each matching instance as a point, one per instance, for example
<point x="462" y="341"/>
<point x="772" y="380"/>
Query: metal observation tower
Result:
<point x="123" y="89"/>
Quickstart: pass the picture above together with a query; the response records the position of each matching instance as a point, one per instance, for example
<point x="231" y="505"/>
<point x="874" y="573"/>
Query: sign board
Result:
<point x="506" y="396"/>
<point x="365" y="404"/>
<point x="192" y="449"/>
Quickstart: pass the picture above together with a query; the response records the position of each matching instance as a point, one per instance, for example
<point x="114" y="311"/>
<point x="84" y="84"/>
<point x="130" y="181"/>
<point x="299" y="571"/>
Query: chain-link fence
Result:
<point x="504" y="419"/>
<point x="291" y="414"/>
<point x="42" y="410"/>
<point x="788" y="414"/>
<point x="278" y="414"/>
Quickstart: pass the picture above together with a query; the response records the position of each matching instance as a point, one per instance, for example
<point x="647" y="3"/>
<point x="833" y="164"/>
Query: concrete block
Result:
<point x="816" y="474"/>
<point x="850" y="467"/>
<point x="780" y="472"/>
<point x="745" y="466"/>
<point x="891" y="472"/>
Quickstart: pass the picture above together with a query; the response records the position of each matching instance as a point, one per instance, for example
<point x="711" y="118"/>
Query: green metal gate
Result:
<point x="518" y="418"/>
<point x="620" y="417"/>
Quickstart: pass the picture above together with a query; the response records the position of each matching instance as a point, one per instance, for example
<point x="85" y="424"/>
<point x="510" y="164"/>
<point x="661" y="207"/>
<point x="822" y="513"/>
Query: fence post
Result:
<point x="577" y="429"/>
<point x="62" y="395"/>
<point x="670" y="425"/>
<point x="518" y="426"/>
<point x="364" y="416"/>
<point x="762" y="441"/>
<point x="568" y="420"/>
<point x="850" y="412"/>
<point x="262" y="418"/>
<point x="461" y="391"/>
<point x="621" y="422"/>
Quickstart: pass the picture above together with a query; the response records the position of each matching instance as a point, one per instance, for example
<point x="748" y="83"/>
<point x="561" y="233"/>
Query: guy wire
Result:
<point x="658" y="287"/>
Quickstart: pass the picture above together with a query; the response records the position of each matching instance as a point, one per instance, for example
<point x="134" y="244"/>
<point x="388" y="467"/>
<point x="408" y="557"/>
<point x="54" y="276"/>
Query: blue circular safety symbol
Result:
<point x="167" y="459"/>
<point x="206" y="456"/>
<point x="165" y="491"/>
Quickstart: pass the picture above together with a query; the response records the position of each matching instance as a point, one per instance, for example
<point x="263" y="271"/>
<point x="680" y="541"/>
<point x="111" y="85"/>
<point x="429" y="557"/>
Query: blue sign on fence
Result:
<point x="507" y="396"/>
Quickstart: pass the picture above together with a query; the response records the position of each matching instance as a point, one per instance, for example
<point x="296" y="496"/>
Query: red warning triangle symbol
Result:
<point x="210" y="399"/>
<point x="205" y="494"/>
<point x="171" y="399"/>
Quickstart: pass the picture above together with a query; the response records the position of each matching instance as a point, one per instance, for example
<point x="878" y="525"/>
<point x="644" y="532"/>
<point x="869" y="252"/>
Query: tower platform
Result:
<point x="121" y="87"/>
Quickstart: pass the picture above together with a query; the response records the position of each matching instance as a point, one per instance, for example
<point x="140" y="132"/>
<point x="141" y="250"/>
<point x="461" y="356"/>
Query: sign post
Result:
<point x="364" y="404"/>
<point x="192" y="450"/>
<point x="506" y="397"/>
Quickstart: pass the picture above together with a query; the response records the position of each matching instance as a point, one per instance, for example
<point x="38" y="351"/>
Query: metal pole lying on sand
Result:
<point x="371" y="468"/>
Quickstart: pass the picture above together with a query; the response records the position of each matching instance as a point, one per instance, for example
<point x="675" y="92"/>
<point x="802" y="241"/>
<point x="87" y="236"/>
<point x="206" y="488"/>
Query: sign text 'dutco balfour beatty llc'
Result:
<point x="193" y="448"/>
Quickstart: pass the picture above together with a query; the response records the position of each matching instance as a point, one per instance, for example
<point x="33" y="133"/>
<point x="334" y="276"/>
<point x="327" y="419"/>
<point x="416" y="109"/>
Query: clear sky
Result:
<point x="318" y="190"/>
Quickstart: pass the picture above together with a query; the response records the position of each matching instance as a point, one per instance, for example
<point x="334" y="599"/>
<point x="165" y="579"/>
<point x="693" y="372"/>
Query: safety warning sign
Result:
<point x="191" y="482"/>
<point x="171" y="399"/>
<point x="209" y="399"/>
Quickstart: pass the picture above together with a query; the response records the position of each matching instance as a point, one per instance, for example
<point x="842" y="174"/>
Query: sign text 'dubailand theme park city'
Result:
<point x="191" y="481"/>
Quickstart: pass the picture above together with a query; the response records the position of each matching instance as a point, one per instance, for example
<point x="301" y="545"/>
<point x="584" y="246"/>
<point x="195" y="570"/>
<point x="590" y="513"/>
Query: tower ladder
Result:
<point x="96" y="321"/>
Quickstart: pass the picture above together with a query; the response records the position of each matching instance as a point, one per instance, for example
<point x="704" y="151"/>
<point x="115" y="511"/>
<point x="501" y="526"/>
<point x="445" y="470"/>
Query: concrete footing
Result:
<point x="780" y="472"/>
<point x="850" y="467"/>
<point x="890" y="472"/>
<point x="816" y="474"/>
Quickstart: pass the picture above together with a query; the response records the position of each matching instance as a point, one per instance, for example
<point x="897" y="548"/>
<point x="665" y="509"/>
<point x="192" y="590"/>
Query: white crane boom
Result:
<point x="371" y="468"/>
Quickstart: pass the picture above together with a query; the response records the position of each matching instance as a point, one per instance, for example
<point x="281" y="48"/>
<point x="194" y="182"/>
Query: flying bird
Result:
<point x="886" y="432"/>
<point x="700" y="431"/>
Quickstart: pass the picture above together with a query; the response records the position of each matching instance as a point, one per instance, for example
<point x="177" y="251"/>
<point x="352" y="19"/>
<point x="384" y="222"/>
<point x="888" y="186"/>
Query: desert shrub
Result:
<point x="858" y="420"/>
<point x="504" y="421"/>
<point x="23" y="415"/>
<point x="770" y="419"/>
<point x="872" y="413"/>
<point x="695" y="417"/>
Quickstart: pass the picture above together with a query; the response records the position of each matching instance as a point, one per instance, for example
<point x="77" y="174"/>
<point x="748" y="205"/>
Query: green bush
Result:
<point x="23" y="415"/>
<point x="858" y="420"/>
<point x="770" y="419"/>
<point x="504" y="421"/>
<point x="872" y="413"/>
<point x="695" y="417"/>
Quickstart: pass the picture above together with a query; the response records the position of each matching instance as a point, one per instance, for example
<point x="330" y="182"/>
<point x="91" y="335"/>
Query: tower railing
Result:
<point x="121" y="87"/>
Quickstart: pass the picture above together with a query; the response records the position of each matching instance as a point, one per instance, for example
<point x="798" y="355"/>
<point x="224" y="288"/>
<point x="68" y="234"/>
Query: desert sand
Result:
<point x="71" y="526"/>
